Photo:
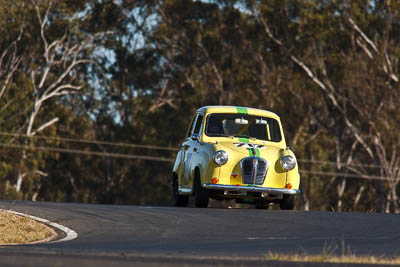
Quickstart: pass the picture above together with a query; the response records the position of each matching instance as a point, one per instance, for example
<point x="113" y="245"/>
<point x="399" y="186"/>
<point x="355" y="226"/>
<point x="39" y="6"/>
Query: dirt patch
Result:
<point x="15" y="229"/>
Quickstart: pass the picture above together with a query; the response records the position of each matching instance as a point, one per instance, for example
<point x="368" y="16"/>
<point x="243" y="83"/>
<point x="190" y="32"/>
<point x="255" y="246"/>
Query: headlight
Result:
<point x="220" y="157"/>
<point x="288" y="163"/>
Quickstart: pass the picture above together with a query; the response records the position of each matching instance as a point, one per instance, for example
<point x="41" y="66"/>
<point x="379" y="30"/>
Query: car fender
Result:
<point x="178" y="164"/>
<point x="200" y="160"/>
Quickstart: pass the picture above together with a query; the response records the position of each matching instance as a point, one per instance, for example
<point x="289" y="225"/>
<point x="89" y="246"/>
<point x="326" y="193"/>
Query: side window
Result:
<point x="199" y="122"/>
<point x="274" y="131"/>
<point x="191" y="127"/>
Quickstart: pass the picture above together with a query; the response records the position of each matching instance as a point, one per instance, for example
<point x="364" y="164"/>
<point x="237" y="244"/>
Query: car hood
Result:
<point x="251" y="149"/>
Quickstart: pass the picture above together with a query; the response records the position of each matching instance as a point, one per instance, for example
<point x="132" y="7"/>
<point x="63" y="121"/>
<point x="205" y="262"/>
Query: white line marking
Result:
<point x="70" y="234"/>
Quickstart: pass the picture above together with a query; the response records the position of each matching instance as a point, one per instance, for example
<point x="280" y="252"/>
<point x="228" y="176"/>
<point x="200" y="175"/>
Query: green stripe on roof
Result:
<point x="244" y="140"/>
<point x="242" y="111"/>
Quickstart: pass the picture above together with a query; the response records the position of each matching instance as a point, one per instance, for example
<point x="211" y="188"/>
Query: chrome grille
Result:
<point x="254" y="170"/>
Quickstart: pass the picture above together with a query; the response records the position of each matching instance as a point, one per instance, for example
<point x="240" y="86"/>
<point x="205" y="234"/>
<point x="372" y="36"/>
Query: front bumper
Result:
<point x="242" y="188"/>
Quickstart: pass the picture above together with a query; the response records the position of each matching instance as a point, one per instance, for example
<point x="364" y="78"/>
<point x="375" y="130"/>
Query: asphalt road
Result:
<point x="111" y="235"/>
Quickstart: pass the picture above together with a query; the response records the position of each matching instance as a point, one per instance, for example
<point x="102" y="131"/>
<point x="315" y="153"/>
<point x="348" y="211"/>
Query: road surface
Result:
<point x="119" y="235"/>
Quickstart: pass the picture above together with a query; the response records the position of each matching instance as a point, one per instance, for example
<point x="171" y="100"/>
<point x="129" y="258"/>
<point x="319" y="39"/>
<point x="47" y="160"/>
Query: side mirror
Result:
<point x="195" y="137"/>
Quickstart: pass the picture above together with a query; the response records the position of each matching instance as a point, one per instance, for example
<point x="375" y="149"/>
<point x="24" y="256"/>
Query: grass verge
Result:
<point x="350" y="259"/>
<point x="15" y="229"/>
<point x="329" y="255"/>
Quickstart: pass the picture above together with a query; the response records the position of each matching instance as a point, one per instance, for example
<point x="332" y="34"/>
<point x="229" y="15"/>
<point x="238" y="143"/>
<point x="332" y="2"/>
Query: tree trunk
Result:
<point x="340" y="189"/>
<point x="395" y="199"/>
<point x="306" y="201"/>
<point x="358" y="197"/>
<point x="18" y="185"/>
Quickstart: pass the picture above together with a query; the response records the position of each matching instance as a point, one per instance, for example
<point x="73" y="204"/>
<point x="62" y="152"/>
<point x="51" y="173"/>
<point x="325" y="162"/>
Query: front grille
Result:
<point x="254" y="170"/>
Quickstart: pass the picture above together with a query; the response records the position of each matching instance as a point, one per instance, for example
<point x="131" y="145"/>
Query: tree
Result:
<point x="333" y="67"/>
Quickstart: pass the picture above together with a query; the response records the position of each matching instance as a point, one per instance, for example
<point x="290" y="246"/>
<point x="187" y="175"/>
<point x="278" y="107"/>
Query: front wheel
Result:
<point x="287" y="202"/>
<point x="201" y="194"/>
<point x="177" y="199"/>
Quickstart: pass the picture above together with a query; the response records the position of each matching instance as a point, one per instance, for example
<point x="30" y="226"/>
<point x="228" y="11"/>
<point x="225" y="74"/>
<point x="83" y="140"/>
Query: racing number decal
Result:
<point x="254" y="149"/>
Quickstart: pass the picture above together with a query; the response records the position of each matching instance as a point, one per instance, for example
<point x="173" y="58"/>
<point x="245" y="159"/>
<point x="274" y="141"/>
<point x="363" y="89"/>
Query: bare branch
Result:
<point x="317" y="81"/>
<point x="13" y="63"/>
<point x="362" y="34"/>
<point x="328" y="92"/>
<point x="59" y="53"/>
<point x="44" y="76"/>
<point x="13" y="68"/>
<point x="45" y="125"/>
<point x="387" y="65"/>
<point x="163" y="99"/>
<point x="40" y="173"/>
<point x="364" y="48"/>
<point x="390" y="69"/>
<point x="66" y="72"/>
<point x="267" y="29"/>
<point x="43" y="22"/>
<point x="358" y="196"/>
<point x="61" y="90"/>
<point x="56" y="43"/>
<point x="35" y="90"/>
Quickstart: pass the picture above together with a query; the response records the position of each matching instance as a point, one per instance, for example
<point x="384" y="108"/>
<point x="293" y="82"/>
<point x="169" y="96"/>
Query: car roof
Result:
<point x="237" y="109"/>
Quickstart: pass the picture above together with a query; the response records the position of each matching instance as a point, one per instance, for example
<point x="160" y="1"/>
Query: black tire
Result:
<point x="287" y="202"/>
<point x="261" y="204"/>
<point x="201" y="194"/>
<point x="177" y="199"/>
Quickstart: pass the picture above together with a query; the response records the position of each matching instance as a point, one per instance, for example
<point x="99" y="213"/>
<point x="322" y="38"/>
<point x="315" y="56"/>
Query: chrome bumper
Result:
<point x="257" y="189"/>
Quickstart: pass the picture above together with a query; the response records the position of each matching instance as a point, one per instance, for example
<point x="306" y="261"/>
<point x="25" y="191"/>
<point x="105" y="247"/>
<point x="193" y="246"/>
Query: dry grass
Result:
<point x="16" y="229"/>
<point x="351" y="259"/>
<point x="329" y="255"/>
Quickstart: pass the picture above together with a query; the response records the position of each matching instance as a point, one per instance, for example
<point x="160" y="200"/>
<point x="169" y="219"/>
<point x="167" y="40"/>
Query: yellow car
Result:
<point x="235" y="153"/>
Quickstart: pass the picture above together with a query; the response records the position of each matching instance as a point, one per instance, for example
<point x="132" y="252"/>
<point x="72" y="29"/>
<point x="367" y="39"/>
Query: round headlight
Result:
<point x="288" y="163"/>
<point x="220" y="157"/>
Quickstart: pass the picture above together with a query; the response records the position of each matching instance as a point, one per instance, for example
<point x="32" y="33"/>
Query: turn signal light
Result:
<point x="214" y="180"/>
<point x="288" y="186"/>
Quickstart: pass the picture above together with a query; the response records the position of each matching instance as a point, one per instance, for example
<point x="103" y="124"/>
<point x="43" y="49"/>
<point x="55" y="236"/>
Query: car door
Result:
<point x="184" y="155"/>
<point x="193" y="149"/>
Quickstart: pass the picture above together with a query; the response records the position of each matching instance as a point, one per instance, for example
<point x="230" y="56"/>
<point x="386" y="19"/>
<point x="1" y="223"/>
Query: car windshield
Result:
<point x="243" y="126"/>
